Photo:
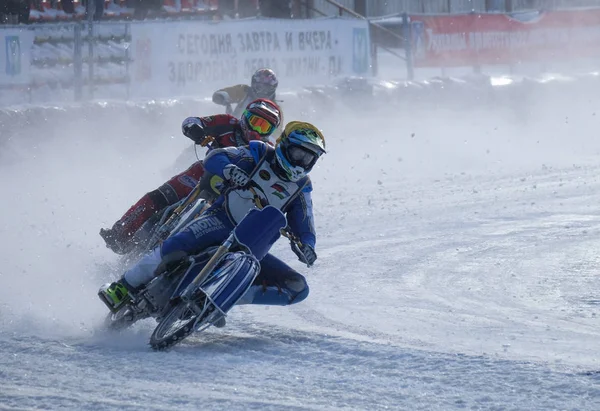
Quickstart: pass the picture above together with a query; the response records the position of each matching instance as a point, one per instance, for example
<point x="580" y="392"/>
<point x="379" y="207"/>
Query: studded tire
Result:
<point x="176" y="325"/>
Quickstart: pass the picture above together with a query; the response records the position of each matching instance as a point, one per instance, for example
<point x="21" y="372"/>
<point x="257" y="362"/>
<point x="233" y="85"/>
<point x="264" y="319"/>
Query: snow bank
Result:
<point x="520" y="95"/>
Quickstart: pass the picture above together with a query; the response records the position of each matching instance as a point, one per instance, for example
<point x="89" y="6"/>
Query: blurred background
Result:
<point x="24" y="11"/>
<point x="77" y="50"/>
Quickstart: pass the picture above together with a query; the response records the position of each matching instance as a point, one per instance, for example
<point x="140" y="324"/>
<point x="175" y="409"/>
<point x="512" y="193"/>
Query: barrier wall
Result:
<point x="472" y="39"/>
<point x="187" y="58"/>
<point x="529" y="42"/>
<point x="168" y="59"/>
<point x="64" y="62"/>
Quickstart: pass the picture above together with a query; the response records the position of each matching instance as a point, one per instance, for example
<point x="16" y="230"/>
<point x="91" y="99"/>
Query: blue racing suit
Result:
<point x="277" y="283"/>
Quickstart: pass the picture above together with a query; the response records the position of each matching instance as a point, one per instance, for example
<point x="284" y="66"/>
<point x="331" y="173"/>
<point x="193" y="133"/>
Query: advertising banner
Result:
<point x="15" y="57"/>
<point x="196" y="58"/>
<point x="463" y="40"/>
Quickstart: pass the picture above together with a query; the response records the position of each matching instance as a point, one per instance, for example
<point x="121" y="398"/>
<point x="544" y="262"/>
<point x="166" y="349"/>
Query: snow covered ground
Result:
<point x="458" y="268"/>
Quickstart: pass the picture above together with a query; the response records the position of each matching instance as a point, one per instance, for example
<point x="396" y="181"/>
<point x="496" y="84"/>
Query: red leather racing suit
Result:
<point x="223" y="131"/>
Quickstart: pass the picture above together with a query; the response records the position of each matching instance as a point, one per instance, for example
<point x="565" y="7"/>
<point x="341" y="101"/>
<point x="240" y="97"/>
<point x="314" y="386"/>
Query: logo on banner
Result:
<point x="360" y="59"/>
<point x="13" y="55"/>
<point x="418" y="38"/>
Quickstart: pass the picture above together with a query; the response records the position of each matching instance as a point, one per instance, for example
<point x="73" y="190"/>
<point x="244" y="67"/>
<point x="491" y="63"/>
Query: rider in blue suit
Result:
<point x="258" y="175"/>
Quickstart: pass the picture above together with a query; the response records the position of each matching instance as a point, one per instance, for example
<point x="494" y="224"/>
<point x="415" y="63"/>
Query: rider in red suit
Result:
<point x="260" y="119"/>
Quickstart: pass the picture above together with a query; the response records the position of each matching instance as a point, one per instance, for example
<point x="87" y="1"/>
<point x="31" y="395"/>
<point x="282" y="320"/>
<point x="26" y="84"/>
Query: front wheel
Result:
<point x="176" y="325"/>
<point x="183" y="319"/>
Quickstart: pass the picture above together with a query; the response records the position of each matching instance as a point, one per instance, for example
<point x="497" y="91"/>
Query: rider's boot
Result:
<point x="119" y="238"/>
<point x="115" y="294"/>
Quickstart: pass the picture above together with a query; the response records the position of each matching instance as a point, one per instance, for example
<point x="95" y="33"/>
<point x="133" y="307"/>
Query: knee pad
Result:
<point x="272" y="295"/>
<point x="301" y="295"/>
<point x="170" y="261"/>
<point x="298" y="289"/>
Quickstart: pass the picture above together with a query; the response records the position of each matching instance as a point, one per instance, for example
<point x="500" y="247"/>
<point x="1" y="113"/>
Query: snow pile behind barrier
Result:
<point x="521" y="96"/>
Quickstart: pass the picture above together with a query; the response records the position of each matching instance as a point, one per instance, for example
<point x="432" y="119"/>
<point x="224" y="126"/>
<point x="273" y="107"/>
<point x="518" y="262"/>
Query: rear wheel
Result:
<point x="120" y="320"/>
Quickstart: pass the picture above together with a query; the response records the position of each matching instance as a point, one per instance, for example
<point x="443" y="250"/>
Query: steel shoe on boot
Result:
<point x="118" y="242"/>
<point x="114" y="295"/>
<point x="220" y="323"/>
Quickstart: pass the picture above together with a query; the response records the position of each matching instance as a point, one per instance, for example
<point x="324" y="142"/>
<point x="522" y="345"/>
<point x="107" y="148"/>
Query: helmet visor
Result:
<point x="259" y="124"/>
<point x="301" y="157"/>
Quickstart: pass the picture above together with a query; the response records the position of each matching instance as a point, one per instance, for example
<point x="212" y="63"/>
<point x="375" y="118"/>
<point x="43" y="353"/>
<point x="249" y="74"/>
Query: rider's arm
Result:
<point x="229" y="95"/>
<point x="216" y="160"/>
<point x="220" y="127"/>
<point x="217" y="129"/>
<point x="300" y="217"/>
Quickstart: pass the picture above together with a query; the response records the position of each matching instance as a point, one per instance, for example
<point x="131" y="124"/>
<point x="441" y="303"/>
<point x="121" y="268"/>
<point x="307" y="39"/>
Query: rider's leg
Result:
<point x="178" y="187"/>
<point x="208" y="230"/>
<point x="276" y="284"/>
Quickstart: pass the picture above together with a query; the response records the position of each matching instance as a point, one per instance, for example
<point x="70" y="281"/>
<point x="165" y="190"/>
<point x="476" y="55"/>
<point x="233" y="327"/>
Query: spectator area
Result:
<point x="34" y="11"/>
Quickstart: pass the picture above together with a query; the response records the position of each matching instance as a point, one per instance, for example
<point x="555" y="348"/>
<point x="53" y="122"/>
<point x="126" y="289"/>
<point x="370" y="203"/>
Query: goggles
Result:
<point x="259" y="124"/>
<point x="299" y="156"/>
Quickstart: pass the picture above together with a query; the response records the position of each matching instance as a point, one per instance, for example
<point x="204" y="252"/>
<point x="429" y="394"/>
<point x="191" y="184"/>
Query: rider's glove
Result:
<point x="235" y="175"/>
<point x="305" y="253"/>
<point x="192" y="128"/>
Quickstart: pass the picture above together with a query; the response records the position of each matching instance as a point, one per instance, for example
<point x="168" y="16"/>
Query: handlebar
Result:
<point x="295" y="243"/>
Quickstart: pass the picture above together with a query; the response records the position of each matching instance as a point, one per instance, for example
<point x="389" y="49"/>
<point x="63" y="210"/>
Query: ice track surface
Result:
<point x="458" y="269"/>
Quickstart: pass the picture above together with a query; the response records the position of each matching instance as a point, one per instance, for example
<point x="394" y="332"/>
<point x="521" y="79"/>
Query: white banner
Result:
<point x="195" y="58"/>
<point x="15" y="56"/>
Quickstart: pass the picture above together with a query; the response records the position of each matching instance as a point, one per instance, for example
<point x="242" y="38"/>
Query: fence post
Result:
<point x="30" y="62"/>
<point x="78" y="61"/>
<point x="373" y="52"/>
<point x="407" y="36"/>
<point x="90" y="18"/>
<point x="128" y="38"/>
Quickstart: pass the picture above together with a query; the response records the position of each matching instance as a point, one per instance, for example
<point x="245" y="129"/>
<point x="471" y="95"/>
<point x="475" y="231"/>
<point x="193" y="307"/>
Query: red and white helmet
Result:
<point x="260" y="119"/>
<point x="264" y="83"/>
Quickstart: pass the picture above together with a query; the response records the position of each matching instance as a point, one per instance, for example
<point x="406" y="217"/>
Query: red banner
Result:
<point x="464" y="40"/>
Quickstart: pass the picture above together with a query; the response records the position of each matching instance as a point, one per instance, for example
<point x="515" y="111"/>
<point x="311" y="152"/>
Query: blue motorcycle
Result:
<point x="191" y="293"/>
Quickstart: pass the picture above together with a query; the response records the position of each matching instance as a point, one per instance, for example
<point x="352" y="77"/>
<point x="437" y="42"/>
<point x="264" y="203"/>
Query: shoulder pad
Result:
<point x="306" y="184"/>
<point x="258" y="149"/>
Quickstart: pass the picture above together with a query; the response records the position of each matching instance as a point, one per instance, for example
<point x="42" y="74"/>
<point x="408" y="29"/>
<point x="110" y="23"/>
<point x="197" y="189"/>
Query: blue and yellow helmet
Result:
<point x="298" y="149"/>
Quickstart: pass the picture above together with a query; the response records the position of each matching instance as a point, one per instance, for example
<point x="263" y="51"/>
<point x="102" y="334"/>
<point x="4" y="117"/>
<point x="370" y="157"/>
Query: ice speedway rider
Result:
<point x="258" y="121"/>
<point x="258" y="175"/>
<point x="262" y="85"/>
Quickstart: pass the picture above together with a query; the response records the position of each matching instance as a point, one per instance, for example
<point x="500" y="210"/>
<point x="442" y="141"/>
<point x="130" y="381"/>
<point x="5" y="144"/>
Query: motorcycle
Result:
<point x="191" y="293"/>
